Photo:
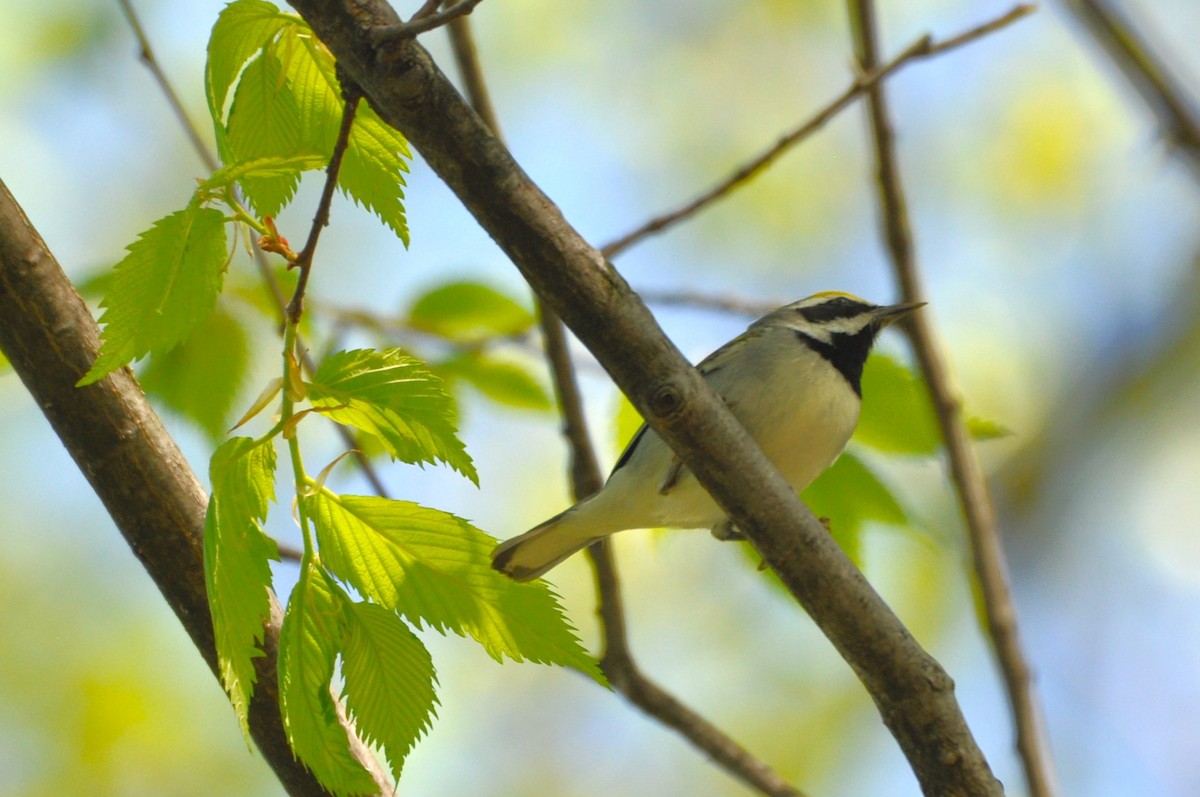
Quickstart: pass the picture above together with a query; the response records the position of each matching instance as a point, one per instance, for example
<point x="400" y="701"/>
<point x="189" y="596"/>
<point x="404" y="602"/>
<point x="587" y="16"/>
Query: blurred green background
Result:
<point x="1059" y="234"/>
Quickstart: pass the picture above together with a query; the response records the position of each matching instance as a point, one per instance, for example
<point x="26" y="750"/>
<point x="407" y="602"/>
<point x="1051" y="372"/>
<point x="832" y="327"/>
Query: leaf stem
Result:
<point x="287" y="408"/>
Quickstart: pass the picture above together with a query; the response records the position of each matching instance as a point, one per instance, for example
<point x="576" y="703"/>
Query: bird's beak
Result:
<point x="886" y="315"/>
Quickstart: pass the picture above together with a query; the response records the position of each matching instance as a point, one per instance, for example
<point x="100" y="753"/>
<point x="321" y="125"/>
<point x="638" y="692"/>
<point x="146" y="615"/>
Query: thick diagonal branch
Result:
<point x="135" y="468"/>
<point x="914" y="695"/>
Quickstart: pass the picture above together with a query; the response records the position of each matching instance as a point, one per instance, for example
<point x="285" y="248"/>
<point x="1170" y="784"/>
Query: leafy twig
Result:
<point x="264" y="268"/>
<point x="1176" y="111"/>
<point x="131" y="462"/>
<point x="586" y="478"/>
<point x="923" y="47"/>
<point x="976" y="504"/>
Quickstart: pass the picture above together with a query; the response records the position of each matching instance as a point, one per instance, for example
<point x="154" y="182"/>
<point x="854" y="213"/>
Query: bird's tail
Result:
<point x="528" y="556"/>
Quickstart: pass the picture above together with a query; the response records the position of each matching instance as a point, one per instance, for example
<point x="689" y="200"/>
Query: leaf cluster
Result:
<point x="374" y="571"/>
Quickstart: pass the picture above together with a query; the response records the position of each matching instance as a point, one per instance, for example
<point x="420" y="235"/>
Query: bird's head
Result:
<point x="839" y="326"/>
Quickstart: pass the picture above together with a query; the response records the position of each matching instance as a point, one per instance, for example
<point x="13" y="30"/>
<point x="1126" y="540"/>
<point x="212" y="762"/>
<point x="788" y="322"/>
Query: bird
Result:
<point x="793" y="379"/>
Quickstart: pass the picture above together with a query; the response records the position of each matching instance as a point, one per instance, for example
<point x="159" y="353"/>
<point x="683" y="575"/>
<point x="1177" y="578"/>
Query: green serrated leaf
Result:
<point x="850" y="495"/>
<point x="312" y="77"/>
<point x="389" y="681"/>
<point x="376" y="156"/>
<point x="264" y="122"/>
<point x="163" y="288"/>
<point x="242" y="30"/>
<point x="435" y="568"/>
<point x="469" y="312"/>
<point x="390" y="395"/>
<point x="236" y="555"/>
<point x="373" y="170"/>
<point x="314" y="630"/>
<point x="501" y="381"/>
<point x="199" y="378"/>
<point x="287" y="102"/>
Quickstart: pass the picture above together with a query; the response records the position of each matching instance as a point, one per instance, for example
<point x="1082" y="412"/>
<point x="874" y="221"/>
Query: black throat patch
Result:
<point x="847" y="353"/>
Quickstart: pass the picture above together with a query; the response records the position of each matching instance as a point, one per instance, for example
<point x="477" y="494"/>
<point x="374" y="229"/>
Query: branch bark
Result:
<point x="135" y="468"/>
<point x="913" y="693"/>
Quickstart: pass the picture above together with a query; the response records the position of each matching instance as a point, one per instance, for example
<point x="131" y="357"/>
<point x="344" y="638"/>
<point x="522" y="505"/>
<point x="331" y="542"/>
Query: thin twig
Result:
<point x="709" y="301"/>
<point x="923" y="47"/>
<point x="424" y="20"/>
<point x="151" y="62"/>
<point x="1177" y="112"/>
<point x="616" y="659"/>
<point x="351" y="95"/>
<point x="969" y="482"/>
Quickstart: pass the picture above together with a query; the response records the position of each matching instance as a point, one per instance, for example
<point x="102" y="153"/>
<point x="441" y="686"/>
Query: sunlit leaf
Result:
<point x="236" y="553"/>
<point x="314" y="628"/>
<point x="503" y="382"/>
<point x="242" y="29"/>
<point x="390" y="395"/>
<point x="389" y="681"/>
<point x="287" y="104"/>
<point x="469" y="311"/>
<point x="376" y="156"/>
<point x="163" y="288"/>
<point x="897" y="413"/>
<point x="897" y="416"/>
<point x="264" y="121"/>
<point x="373" y="170"/>
<point x="200" y="377"/>
<point x="435" y="568"/>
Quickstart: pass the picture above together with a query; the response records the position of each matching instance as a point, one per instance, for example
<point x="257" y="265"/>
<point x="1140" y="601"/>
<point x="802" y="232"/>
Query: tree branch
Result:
<point x="148" y="58"/>
<point x="1176" y="111"/>
<point x="966" y="473"/>
<point x="912" y="692"/>
<point x="135" y="468"/>
<point x="923" y="47"/>
<point x="586" y="478"/>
